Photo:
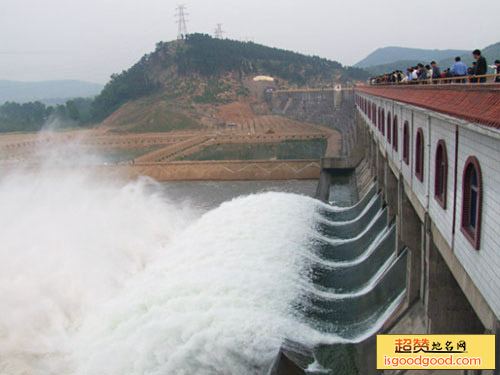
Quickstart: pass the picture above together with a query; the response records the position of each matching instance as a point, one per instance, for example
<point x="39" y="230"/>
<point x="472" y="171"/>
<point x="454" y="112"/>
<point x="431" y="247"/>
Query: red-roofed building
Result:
<point x="445" y="155"/>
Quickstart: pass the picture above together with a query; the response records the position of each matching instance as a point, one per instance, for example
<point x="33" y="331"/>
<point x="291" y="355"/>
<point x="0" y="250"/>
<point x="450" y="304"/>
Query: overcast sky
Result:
<point x="91" y="39"/>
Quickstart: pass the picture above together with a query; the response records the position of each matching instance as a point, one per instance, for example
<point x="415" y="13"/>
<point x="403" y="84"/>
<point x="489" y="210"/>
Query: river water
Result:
<point x="205" y="195"/>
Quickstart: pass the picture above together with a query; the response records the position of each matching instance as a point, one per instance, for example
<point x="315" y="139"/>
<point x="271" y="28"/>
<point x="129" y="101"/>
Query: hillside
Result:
<point x="390" y="55"/>
<point x="391" y="67"/>
<point x="48" y="92"/>
<point x="186" y="84"/>
<point x="189" y="77"/>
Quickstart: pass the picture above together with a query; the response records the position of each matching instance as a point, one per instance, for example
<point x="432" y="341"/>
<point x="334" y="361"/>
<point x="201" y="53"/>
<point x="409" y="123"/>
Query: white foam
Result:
<point x="103" y="278"/>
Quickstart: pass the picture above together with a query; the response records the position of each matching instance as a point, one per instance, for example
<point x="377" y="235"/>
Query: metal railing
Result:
<point x="472" y="79"/>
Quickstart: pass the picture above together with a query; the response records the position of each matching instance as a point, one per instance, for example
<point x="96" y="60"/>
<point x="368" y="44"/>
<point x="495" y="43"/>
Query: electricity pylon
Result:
<point x="181" y="21"/>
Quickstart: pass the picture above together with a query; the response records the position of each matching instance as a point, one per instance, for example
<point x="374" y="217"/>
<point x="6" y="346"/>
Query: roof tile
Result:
<point x="475" y="103"/>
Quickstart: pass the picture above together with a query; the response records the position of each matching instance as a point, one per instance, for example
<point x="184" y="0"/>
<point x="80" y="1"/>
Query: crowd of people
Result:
<point x="457" y="73"/>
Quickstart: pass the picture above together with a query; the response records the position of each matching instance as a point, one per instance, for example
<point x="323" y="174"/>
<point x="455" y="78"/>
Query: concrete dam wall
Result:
<point x="330" y="108"/>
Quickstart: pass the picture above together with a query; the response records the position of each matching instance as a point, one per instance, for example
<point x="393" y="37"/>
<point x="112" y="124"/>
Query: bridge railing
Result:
<point x="472" y="79"/>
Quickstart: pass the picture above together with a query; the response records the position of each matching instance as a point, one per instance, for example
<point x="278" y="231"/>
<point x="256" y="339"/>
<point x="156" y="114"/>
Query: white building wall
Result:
<point x="420" y="121"/>
<point x="407" y="168"/>
<point x="442" y="130"/>
<point x="390" y="108"/>
<point x="394" y="154"/>
<point x="379" y="133"/>
<point x="482" y="265"/>
<point x="398" y="156"/>
<point x="388" y="144"/>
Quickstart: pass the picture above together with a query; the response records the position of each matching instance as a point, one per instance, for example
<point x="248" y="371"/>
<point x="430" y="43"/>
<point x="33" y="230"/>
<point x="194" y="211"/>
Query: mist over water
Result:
<point x="99" y="277"/>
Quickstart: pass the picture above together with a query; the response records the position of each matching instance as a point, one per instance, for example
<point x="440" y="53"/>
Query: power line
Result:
<point x="181" y="21"/>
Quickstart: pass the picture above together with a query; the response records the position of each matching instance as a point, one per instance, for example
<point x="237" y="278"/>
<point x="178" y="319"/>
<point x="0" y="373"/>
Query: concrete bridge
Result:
<point x="434" y="153"/>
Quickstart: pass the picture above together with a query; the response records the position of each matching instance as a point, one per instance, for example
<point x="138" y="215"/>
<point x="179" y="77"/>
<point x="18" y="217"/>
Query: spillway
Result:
<point x="357" y="281"/>
<point x="117" y="278"/>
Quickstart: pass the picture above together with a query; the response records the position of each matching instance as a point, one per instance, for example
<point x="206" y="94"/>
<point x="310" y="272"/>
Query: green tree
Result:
<point x="72" y="111"/>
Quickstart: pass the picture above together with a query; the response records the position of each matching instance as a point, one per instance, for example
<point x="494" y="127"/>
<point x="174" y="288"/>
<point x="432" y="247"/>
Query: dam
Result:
<point x="121" y="278"/>
<point x="431" y="152"/>
<point x="162" y="287"/>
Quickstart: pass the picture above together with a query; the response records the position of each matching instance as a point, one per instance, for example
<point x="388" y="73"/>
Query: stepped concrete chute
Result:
<point x="352" y="276"/>
<point x="343" y="250"/>
<point x="354" y="316"/>
<point x="358" y="276"/>
<point x="351" y="228"/>
<point x="349" y="213"/>
<point x="357" y="281"/>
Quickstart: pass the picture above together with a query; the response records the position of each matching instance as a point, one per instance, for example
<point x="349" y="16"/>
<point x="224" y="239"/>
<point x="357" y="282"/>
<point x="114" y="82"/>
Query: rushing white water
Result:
<point x="102" y="278"/>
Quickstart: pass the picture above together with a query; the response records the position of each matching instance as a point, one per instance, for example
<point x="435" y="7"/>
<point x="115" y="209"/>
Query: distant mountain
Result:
<point x="48" y="92"/>
<point x="491" y="53"/>
<point x="391" y="67"/>
<point x="388" y="55"/>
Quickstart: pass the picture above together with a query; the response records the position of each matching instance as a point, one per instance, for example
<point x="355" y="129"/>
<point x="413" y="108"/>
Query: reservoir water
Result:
<point x="104" y="277"/>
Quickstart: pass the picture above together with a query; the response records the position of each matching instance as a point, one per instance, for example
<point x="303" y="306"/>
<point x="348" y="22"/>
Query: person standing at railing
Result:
<point x="459" y="69"/>
<point x="497" y="70"/>
<point x="405" y="79"/>
<point x="414" y="73"/>
<point x="422" y="73"/>
<point x="408" y="77"/>
<point x="472" y="72"/>
<point x="447" y="74"/>
<point x="436" y="73"/>
<point x="481" y="67"/>
<point x="428" y="69"/>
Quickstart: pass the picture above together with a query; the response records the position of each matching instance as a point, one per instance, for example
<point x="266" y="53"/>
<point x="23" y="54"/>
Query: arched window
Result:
<point x="472" y="188"/>
<point x="441" y="174"/>
<point x="406" y="142"/>
<point x="389" y="124"/>
<point x="395" y="134"/>
<point x="382" y="122"/>
<point x="419" y="155"/>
